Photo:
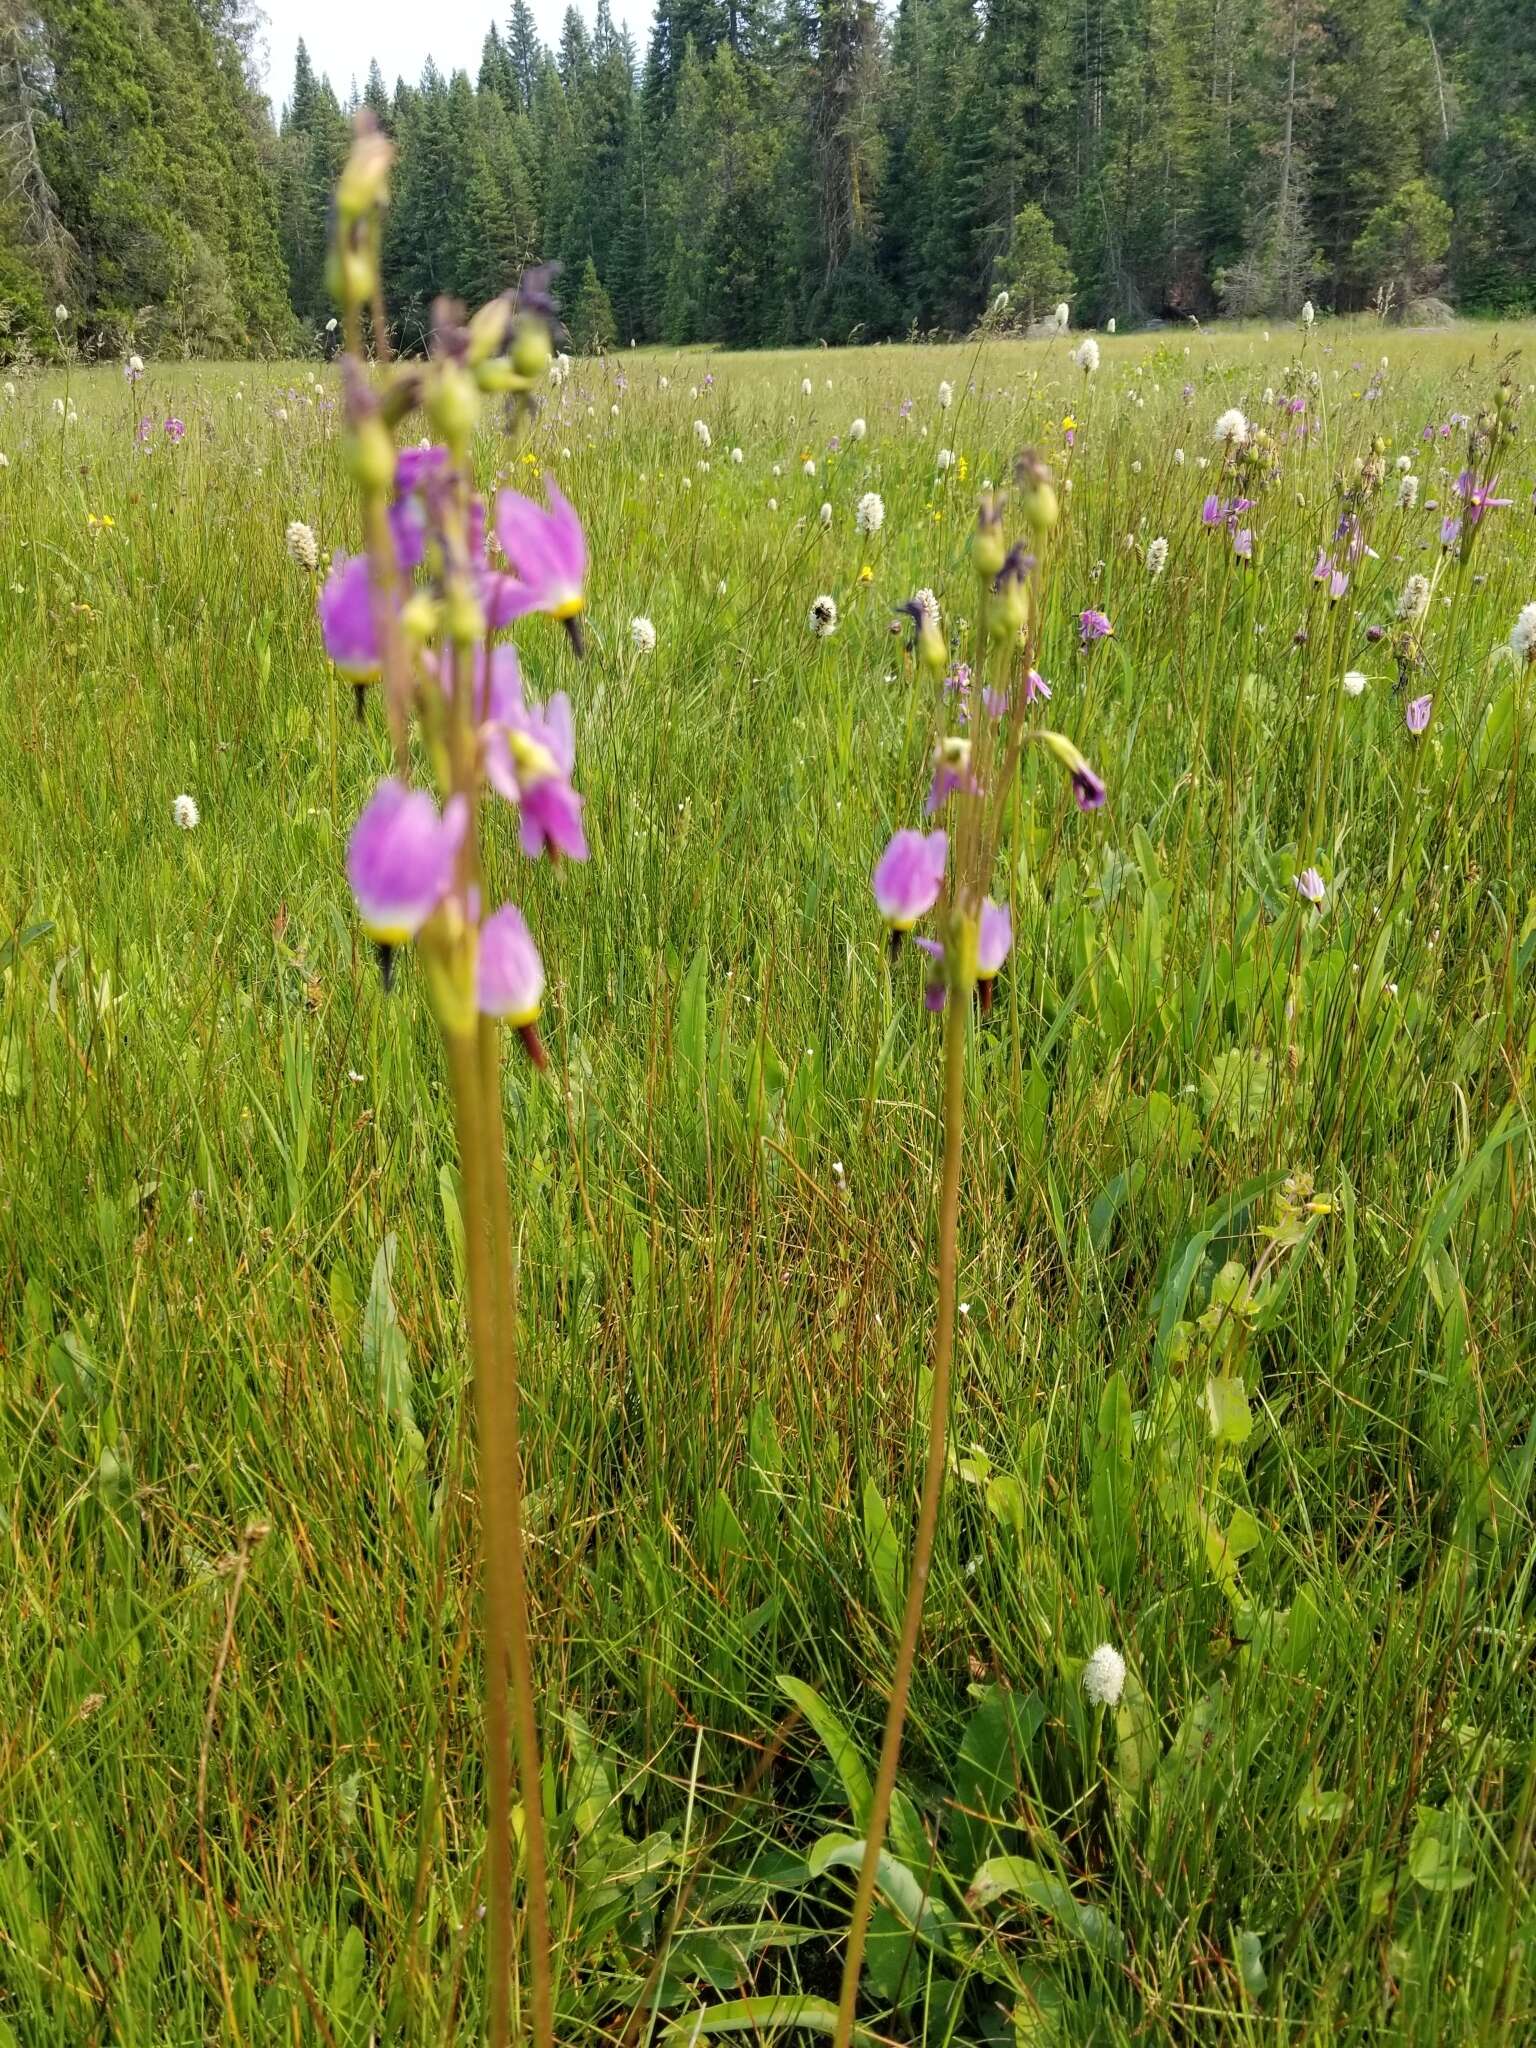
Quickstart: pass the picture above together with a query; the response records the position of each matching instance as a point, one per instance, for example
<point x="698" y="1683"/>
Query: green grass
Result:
<point x="239" y="1703"/>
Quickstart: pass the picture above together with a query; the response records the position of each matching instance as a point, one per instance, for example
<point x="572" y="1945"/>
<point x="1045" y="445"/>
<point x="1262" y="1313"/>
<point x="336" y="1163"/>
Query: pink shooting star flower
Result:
<point x="908" y="877"/>
<point x="529" y="752"/>
<point x="1311" y="887"/>
<point x="1242" y="543"/>
<point x="994" y="941"/>
<point x="349" y="622"/>
<point x="1212" y="512"/>
<point x="548" y="554"/>
<point x="175" y="429"/>
<point x="1338" y="583"/>
<point x="1036" y="687"/>
<point x="951" y="772"/>
<point x="509" y="977"/>
<point x="1093" y="625"/>
<point x="1450" y="531"/>
<point x="1479" y="497"/>
<point x="400" y="862"/>
<point x="1416" y="716"/>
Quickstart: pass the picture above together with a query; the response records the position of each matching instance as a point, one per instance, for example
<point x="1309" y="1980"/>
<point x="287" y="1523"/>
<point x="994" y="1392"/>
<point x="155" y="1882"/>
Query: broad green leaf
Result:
<point x="901" y="1886"/>
<point x="1440" y="1856"/>
<point x="837" y="1742"/>
<point x="989" y="1771"/>
<point x="1227" y="1411"/>
<point x="1023" y="1878"/>
<point x="759" y="2017"/>
<point x="882" y="1547"/>
<point x="1250" y="1962"/>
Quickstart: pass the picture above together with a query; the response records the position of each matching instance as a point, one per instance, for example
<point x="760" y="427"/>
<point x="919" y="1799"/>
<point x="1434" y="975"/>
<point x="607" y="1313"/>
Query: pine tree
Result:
<point x="524" y="52"/>
<point x="592" y="324"/>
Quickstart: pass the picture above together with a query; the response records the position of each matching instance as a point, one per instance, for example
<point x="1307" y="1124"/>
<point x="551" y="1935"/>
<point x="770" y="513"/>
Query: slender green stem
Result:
<point x="508" y="1474"/>
<point x="496" y="1535"/>
<point x="956" y="1018"/>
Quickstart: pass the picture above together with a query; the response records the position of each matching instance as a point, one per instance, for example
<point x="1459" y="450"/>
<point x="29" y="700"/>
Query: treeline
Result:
<point x="773" y="171"/>
<point x="136" y="179"/>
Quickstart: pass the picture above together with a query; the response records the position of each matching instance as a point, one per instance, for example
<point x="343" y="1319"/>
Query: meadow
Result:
<point x="1225" y="1131"/>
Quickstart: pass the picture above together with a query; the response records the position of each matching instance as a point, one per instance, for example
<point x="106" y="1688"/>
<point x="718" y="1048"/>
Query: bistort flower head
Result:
<point x="908" y="877"/>
<point x="642" y="635"/>
<point x="822" y="618"/>
<point x="400" y="859"/>
<point x="869" y="515"/>
<point x="857" y="430"/>
<point x="303" y="548"/>
<point x="186" y="814"/>
<point x="1414" y="602"/>
<point x="1522" y="634"/>
<point x="946" y="394"/>
<point x="1354" y="682"/>
<point x="1086" y="355"/>
<point x="1157" y="556"/>
<point x="1104" y="1676"/>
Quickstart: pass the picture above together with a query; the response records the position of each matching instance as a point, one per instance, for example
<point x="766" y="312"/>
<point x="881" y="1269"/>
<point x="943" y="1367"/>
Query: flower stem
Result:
<point x="501" y="1558"/>
<point x="957" y="1013"/>
<point x="509" y="1474"/>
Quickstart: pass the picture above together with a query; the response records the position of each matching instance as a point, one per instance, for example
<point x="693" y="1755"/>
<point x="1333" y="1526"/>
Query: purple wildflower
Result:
<point x="1088" y="788"/>
<point x="146" y="430"/>
<point x="995" y="702"/>
<point x="1450" y="530"/>
<point x="1212" y="512"/>
<point x="348" y="622"/>
<point x="908" y="877"/>
<point x="1242" y="543"/>
<point x="175" y="428"/>
<point x="1311" y="887"/>
<point x="1479" y="497"/>
<point x="509" y="975"/>
<point x="994" y="939"/>
<point x="530" y="751"/>
<point x="1035" y="686"/>
<point x="951" y="772"/>
<point x="1093" y="625"/>
<point x="548" y="554"/>
<point x="400" y="859"/>
<point x="1416" y="717"/>
<point x="1338" y="583"/>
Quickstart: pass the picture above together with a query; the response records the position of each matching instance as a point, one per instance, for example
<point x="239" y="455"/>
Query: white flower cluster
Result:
<point x="869" y="515"/>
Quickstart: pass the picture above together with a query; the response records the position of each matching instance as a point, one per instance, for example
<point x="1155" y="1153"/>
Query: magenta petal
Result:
<point x="552" y="817"/>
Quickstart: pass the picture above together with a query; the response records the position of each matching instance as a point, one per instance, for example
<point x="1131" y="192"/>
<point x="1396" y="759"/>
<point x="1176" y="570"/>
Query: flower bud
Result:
<point x="453" y="404"/>
<point x="487" y="332"/>
<point x="364" y="181"/>
<point x="532" y="349"/>
<point x="989" y="550"/>
<point x="372" y="456"/>
<point x="1037" y="490"/>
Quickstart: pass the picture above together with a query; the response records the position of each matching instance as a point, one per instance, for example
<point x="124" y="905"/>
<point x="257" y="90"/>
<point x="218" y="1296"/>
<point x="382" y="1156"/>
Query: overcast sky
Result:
<point x="343" y="34"/>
